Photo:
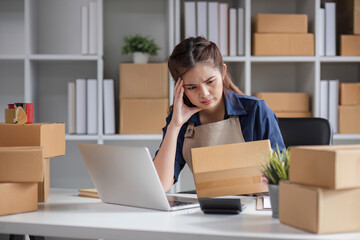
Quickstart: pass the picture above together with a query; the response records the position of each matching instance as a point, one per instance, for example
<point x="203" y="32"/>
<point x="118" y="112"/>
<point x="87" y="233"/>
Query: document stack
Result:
<point x="349" y="109"/>
<point x="144" y="97"/>
<point x="25" y="152"/>
<point x="287" y="104"/>
<point x="282" y="35"/>
<point x="217" y="22"/>
<point x="323" y="191"/>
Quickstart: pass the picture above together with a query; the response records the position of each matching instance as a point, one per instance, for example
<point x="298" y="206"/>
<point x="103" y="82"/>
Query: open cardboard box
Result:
<point x="18" y="198"/>
<point x="335" y="167"/>
<point x="230" y="169"/>
<point x="50" y="136"/>
<point x="319" y="210"/>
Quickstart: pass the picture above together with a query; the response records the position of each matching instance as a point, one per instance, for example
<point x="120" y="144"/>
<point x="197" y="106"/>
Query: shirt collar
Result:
<point x="233" y="104"/>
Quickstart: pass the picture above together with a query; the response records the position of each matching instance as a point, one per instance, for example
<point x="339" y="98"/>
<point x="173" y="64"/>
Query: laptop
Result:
<point x="127" y="176"/>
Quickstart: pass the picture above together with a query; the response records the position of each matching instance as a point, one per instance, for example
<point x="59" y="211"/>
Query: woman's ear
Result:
<point x="224" y="70"/>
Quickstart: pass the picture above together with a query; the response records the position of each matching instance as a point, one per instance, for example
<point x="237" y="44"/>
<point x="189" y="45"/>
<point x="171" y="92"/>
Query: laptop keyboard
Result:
<point x="174" y="203"/>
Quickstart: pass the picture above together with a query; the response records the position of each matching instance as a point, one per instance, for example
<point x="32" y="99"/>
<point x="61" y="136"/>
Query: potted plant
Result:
<point x="140" y="46"/>
<point x="276" y="170"/>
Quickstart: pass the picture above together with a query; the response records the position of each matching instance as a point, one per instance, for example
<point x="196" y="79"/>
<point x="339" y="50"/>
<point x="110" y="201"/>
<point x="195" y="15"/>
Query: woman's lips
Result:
<point x="207" y="102"/>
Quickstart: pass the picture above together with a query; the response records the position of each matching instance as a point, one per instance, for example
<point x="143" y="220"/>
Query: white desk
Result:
<point x="67" y="215"/>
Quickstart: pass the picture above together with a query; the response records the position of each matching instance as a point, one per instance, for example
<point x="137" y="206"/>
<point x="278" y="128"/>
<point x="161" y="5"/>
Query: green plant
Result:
<point x="138" y="43"/>
<point x="277" y="168"/>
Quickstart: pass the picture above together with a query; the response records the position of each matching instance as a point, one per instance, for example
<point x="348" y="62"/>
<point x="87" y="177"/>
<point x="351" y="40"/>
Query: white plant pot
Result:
<point x="140" y="57"/>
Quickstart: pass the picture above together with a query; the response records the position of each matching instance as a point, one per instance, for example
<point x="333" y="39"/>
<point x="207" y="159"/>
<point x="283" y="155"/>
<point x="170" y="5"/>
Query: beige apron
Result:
<point x="218" y="133"/>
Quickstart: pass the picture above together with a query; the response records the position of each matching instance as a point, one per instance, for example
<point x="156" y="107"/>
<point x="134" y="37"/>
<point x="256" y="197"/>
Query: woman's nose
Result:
<point x="204" y="91"/>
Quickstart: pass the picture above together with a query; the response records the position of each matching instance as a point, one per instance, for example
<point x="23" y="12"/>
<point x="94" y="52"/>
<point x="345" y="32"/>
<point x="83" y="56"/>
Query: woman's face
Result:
<point x="203" y="85"/>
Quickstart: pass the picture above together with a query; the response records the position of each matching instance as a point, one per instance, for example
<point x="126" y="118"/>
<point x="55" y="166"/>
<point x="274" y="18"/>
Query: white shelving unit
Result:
<point x="40" y="52"/>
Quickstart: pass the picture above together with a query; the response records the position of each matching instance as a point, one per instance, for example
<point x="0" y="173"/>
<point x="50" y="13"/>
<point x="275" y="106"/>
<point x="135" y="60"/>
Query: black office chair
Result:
<point x="305" y="131"/>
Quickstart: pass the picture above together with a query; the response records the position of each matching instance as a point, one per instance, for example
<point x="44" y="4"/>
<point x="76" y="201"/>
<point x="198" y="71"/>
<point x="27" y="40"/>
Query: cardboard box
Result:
<point x="283" y="44"/>
<point x="149" y="80"/>
<point x="349" y="119"/>
<point x="50" y="136"/>
<point x="230" y="169"/>
<point x="44" y="185"/>
<point x="281" y="23"/>
<point x="319" y="210"/>
<point x="293" y="114"/>
<point x="350" y="93"/>
<point x="285" y="101"/>
<point x="21" y="164"/>
<point x="334" y="167"/>
<point x="350" y="45"/>
<point x="348" y="17"/>
<point x="18" y="198"/>
<point x="143" y="116"/>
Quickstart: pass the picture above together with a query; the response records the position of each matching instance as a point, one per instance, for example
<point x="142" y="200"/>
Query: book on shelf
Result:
<point x="84" y="30"/>
<point x="324" y="99"/>
<point x="190" y="19"/>
<point x="333" y="104"/>
<point x="224" y="28"/>
<point x="71" y="108"/>
<point x="322" y="32"/>
<point x="80" y="106"/>
<point x="330" y="29"/>
<point x="109" y="106"/>
<point x="240" y="32"/>
<point x="91" y="106"/>
<point x="92" y="27"/>
<point x="232" y="32"/>
<point x="213" y="22"/>
<point x="201" y="18"/>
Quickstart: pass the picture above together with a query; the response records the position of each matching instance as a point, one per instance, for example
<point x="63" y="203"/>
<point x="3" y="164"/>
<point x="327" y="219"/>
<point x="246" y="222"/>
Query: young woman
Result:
<point x="208" y="109"/>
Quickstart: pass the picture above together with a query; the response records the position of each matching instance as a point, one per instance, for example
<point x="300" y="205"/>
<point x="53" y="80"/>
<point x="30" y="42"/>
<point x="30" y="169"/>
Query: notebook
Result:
<point x="127" y="176"/>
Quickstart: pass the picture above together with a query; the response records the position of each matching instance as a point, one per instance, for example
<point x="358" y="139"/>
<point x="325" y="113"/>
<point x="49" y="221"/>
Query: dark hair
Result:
<point x="191" y="51"/>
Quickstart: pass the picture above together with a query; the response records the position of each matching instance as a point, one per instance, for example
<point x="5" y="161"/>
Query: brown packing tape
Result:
<point x="9" y="115"/>
<point x="20" y="116"/>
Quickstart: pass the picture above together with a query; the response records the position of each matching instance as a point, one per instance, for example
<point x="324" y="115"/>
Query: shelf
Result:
<point x="234" y="59"/>
<point x="283" y="59"/>
<point x="63" y="57"/>
<point x="346" y="136"/>
<point x="75" y="137"/>
<point x="340" y="59"/>
<point x="11" y="57"/>
<point x="132" y="137"/>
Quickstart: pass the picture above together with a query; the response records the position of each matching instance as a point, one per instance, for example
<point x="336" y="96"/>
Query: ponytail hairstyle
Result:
<point x="191" y="51"/>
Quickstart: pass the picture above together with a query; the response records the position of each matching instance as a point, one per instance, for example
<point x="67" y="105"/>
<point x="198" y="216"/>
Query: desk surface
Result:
<point x="67" y="215"/>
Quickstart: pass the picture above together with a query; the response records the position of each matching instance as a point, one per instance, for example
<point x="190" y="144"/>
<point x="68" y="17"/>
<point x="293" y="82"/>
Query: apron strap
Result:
<point x="190" y="130"/>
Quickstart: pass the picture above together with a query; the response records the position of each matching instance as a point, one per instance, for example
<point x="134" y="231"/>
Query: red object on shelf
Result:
<point x="11" y="106"/>
<point x="29" y="112"/>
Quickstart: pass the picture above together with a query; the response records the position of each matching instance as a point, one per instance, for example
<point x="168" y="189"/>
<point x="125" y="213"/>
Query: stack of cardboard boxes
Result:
<point x="25" y="152"/>
<point x="282" y="35"/>
<point x="349" y="109"/>
<point x="323" y="193"/>
<point x="348" y="25"/>
<point x="144" y="97"/>
<point x="287" y="104"/>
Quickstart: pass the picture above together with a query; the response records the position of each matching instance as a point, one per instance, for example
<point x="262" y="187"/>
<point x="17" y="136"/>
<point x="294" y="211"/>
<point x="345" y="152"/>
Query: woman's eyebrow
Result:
<point x="195" y="84"/>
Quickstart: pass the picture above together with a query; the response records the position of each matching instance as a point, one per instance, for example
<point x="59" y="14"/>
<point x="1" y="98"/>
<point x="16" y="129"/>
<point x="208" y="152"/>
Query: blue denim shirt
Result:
<point x="257" y="120"/>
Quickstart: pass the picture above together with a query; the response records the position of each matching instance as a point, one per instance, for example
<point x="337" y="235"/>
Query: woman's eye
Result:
<point x="190" y="88"/>
<point x="210" y="81"/>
